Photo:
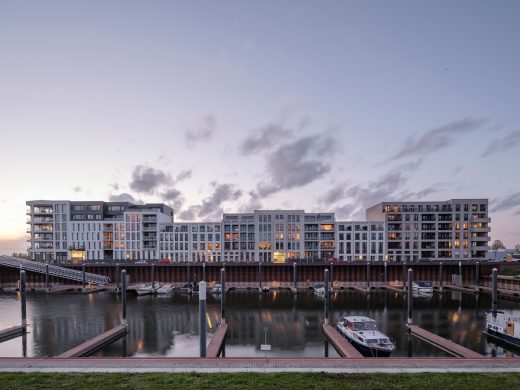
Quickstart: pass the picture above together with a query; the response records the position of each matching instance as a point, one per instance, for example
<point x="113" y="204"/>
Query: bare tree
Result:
<point x="496" y="246"/>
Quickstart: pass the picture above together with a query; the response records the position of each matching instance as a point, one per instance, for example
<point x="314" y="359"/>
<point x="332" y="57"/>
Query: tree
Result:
<point x="496" y="246"/>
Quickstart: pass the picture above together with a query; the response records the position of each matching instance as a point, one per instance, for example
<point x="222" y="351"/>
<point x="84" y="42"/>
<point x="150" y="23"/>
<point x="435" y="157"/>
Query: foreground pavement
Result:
<point x="211" y="365"/>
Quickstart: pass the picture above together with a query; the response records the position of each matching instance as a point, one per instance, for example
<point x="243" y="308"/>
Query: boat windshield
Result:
<point x="424" y="284"/>
<point x="364" y="325"/>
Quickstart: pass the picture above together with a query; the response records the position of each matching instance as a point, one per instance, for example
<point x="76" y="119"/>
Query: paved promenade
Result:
<point x="331" y="365"/>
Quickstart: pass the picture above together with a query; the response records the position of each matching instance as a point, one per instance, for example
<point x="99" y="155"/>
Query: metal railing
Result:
<point x="54" y="270"/>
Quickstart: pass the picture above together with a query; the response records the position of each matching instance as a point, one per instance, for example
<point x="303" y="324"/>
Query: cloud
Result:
<point x="77" y="189"/>
<point x="264" y="138"/>
<point x="183" y="175"/>
<point x="202" y="133"/>
<point x="437" y="138"/>
<point x="503" y="144"/>
<point x="297" y="163"/>
<point x="347" y="211"/>
<point x="211" y="207"/>
<point x="506" y="203"/>
<point x="335" y="194"/>
<point x="146" y="179"/>
<point x="124" y="197"/>
<point x="173" y="197"/>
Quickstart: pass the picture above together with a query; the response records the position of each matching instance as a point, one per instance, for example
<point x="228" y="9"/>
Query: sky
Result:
<point x="232" y="106"/>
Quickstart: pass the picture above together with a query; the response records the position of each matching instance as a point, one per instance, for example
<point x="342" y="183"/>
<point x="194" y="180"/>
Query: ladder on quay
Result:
<point x="54" y="270"/>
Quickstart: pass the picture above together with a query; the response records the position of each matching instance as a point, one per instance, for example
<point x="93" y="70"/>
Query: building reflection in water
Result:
<point x="168" y="326"/>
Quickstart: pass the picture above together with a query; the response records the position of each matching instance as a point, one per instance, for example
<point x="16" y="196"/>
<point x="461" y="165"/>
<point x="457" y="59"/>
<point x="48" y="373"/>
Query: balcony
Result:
<point x="483" y="220"/>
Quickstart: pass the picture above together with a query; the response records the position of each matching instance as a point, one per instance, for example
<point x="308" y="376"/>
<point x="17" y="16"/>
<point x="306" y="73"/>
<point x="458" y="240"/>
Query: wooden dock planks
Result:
<point x="341" y="344"/>
<point x="91" y="345"/>
<point x="441" y="343"/>
<point x="13" y="331"/>
<point x="217" y="341"/>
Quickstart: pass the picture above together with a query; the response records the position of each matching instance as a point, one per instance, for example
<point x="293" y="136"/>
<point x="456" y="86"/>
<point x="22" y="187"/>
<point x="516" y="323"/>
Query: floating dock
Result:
<point x="363" y="290"/>
<point x="441" y="343"/>
<point x="344" y="348"/>
<point x="217" y="342"/>
<point x="12" y="332"/>
<point x="95" y="343"/>
<point x="400" y="290"/>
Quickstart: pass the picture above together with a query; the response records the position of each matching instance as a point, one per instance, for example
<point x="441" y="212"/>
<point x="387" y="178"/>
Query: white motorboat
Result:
<point x="165" y="289"/>
<point x="422" y="286"/>
<point x="146" y="289"/>
<point x="263" y="289"/>
<point x="319" y="289"/>
<point x="503" y="326"/>
<point x="362" y="333"/>
<point x="217" y="288"/>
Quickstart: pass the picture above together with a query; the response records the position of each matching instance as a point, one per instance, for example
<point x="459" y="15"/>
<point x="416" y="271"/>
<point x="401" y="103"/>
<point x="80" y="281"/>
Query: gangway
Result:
<point x="54" y="270"/>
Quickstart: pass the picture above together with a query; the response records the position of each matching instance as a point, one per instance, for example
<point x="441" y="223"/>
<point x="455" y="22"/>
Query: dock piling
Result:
<point x="47" y="278"/>
<point x="494" y="292"/>
<point x="477" y="274"/>
<point x="23" y="298"/>
<point x="460" y="272"/>
<point x="409" y="295"/>
<point x="204" y="271"/>
<point x="368" y="276"/>
<point x="202" y="318"/>
<point x="259" y="276"/>
<point x="124" y="280"/>
<point x="404" y="276"/>
<point x="153" y="278"/>
<point x="83" y="277"/>
<point x="326" y="309"/>
<point x="440" y="276"/>
<point x="223" y="296"/>
<point x="385" y="275"/>
<point x="294" y="274"/>
<point x="117" y="278"/>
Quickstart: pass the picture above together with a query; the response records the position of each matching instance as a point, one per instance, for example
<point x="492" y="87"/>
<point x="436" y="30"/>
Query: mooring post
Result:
<point x="460" y="273"/>
<point x="477" y="275"/>
<point x="409" y="295"/>
<point x="47" y="278"/>
<point x="153" y="277"/>
<point x="24" y="298"/>
<point x="118" y="278"/>
<point x="204" y="271"/>
<point x="124" y="281"/>
<point x="368" y="276"/>
<point x="294" y="275"/>
<point x="494" y="292"/>
<point x="83" y="277"/>
<point x="202" y="318"/>
<point x="404" y="276"/>
<point x="440" y="276"/>
<point x="223" y="296"/>
<point x="326" y="314"/>
<point x="385" y="275"/>
<point x="260" y="276"/>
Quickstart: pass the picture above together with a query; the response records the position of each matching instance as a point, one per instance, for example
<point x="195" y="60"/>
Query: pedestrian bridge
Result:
<point x="53" y="270"/>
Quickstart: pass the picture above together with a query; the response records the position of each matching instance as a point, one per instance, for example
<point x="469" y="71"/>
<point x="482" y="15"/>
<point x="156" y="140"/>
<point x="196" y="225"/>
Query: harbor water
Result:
<point x="292" y="324"/>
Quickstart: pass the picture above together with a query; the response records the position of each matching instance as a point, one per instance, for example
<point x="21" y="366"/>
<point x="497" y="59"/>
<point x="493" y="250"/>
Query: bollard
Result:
<point x="124" y="282"/>
<point x="117" y="277"/>
<point x="294" y="275"/>
<point x="409" y="294"/>
<point x="24" y="298"/>
<point x="460" y="273"/>
<point x="326" y="309"/>
<point x="83" y="277"/>
<point x="494" y="293"/>
<point x="202" y="318"/>
<point x="477" y="274"/>
<point x="404" y="276"/>
<point x="385" y="275"/>
<point x="153" y="278"/>
<point x="440" y="276"/>
<point x="47" y="278"/>
<point x="368" y="276"/>
<point x="223" y="296"/>
<point x="204" y="271"/>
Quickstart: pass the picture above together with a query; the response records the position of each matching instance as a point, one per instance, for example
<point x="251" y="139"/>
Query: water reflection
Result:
<point x="168" y="326"/>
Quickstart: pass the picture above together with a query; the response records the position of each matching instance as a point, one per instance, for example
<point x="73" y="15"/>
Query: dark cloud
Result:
<point x="264" y="138"/>
<point x="297" y="163"/>
<point x="183" y="175"/>
<point x="506" y="203"/>
<point x="201" y="134"/>
<point x="173" y="197"/>
<point x="333" y="195"/>
<point x="437" y="138"/>
<point x="503" y="144"/>
<point x="251" y="205"/>
<point x="146" y="179"/>
<point x="124" y="197"/>
<point x="211" y="207"/>
<point x="347" y="211"/>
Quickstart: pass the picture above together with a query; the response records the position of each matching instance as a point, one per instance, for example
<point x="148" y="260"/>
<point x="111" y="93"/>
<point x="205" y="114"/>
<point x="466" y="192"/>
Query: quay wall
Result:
<point x="281" y="274"/>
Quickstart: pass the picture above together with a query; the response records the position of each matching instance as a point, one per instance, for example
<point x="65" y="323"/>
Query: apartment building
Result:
<point x="192" y="242"/>
<point x="360" y="241"/>
<point x="452" y="229"/>
<point x="70" y="231"/>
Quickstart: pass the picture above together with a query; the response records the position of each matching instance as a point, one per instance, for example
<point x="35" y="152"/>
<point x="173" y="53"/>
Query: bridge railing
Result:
<point x="54" y="270"/>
